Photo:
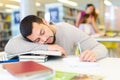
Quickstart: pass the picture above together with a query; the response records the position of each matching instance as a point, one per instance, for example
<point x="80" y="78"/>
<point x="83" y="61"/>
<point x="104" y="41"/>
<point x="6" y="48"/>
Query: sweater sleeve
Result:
<point x="100" y="51"/>
<point x="73" y="35"/>
<point x="89" y="43"/>
<point x="18" y="45"/>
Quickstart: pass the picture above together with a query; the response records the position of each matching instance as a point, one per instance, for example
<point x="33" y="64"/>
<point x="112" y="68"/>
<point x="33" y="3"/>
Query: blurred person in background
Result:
<point x="86" y="27"/>
<point x="90" y="9"/>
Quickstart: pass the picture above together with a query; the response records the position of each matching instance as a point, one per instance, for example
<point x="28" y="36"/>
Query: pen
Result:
<point x="79" y="48"/>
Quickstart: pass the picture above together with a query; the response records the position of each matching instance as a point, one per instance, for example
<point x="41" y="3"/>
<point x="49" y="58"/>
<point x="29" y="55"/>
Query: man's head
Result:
<point x="37" y="30"/>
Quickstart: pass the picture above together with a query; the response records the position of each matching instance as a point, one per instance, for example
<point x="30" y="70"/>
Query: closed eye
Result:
<point x="37" y="40"/>
<point x="42" y="32"/>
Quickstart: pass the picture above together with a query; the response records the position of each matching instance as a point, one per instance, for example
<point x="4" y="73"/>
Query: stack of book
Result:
<point x="38" y="56"/>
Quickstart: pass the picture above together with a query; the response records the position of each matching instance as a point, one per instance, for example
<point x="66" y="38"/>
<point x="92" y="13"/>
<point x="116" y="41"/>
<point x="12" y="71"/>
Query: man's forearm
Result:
<point x="100" y="51"/>
<point x="18" y="45"/>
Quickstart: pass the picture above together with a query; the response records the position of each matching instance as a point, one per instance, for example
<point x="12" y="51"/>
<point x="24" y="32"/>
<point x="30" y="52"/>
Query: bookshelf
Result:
<point x="40" y="14"/>
<point x="59" y="12"/>
<point x="70" y="14"/>
<point x="5" y="29"/>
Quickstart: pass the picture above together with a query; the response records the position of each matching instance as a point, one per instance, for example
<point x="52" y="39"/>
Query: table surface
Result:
<point x="108" y="67"/>
<point x="108" y="39"/>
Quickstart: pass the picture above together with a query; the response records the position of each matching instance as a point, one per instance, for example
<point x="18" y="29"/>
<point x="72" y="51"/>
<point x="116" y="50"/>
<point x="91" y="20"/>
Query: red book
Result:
<point x="27" y="68"/>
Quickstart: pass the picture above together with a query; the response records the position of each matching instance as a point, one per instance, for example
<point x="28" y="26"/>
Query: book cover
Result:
<point x="60" y="75"/>
<point x="27" y="68"/>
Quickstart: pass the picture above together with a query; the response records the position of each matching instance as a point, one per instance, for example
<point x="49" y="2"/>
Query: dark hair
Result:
<point x="84" y="18"/>
<point x="26" y="25"/>
<point x="94" y="14"/>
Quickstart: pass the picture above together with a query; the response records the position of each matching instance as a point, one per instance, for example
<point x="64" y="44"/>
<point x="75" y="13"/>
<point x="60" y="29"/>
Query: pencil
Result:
<point x="79" y="48"/>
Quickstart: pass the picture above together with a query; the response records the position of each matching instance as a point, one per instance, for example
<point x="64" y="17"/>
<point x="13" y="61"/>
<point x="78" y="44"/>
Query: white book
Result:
<point x="36" y="60"/>
<point x="49" y="53"/>
<point x="32" y="56"/>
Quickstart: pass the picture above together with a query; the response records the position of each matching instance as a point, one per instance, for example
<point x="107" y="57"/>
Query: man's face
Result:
<point x="41" y="33"/>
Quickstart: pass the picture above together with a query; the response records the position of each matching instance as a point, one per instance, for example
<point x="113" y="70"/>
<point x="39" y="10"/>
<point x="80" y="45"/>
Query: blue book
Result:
<point x="14" y="59"/>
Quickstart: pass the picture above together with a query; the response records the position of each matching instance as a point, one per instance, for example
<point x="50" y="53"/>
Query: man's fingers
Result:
<point x="83" y="55"/>
<point x="63" y="52"/>
<point x="88" y="56"/>
<point x="92" y="58"/>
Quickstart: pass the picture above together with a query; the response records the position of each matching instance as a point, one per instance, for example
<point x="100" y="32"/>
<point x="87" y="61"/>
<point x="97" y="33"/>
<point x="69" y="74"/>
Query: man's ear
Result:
<point x="45" y="22"/>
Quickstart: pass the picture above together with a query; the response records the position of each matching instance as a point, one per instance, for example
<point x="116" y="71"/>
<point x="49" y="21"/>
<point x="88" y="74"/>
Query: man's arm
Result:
<point x="92" y="50"/>
<point x="18" y="45"/>
<point x="97" y="52"/>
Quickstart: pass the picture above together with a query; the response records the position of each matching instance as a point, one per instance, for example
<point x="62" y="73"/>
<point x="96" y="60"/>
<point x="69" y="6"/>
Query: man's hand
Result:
<point x="55" y="47"/>
<point x="88" y="56"/>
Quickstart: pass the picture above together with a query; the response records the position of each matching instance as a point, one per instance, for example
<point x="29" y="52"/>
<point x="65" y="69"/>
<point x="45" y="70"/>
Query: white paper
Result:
<point x="75" y="62"/>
